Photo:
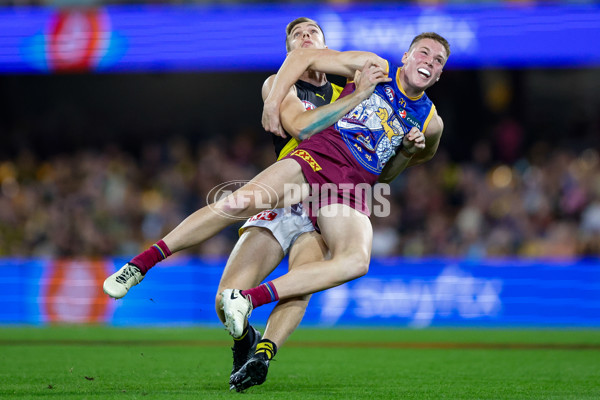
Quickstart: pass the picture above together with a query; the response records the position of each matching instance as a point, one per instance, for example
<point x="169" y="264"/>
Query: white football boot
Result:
<point x="237" y="309"/>
<point x="118" y="284"/>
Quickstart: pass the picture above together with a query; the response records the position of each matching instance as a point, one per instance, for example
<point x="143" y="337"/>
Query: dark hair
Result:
<point x="295" y="22"/>
<point x="433" y="36"/>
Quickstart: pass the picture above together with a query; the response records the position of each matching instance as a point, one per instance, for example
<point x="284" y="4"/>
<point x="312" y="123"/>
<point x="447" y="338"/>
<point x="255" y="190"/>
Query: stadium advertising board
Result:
<point x="202" y="38"/>
<point x="396" y="292"/>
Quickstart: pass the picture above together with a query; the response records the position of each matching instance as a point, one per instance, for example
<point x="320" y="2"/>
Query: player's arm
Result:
<point x="394" y="167"/>
<point x="433" y="135"/>
<point x="302" y="124"/>
<point x="417" y="148"/>
<point x="291" y="103"/>
<point x="342" y="63"/>
<point x="300" y="60"/>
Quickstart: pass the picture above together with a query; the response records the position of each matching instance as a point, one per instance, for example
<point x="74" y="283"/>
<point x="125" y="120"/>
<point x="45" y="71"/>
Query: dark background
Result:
<point x="50" y="114"/>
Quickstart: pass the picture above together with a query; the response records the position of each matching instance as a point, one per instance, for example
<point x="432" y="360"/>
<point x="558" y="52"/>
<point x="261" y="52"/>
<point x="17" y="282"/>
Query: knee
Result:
<point x="246" y="201"/>
<point x="235" y="205"/>
<point x="359" y="268"/>
<point x="302" y="301"/>
<point x="355" y="265"/>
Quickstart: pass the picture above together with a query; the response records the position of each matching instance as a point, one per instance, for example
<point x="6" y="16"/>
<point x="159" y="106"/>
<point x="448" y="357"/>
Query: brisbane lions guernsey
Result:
<point x="312" y="97"/>
<point x="374" y="129"/>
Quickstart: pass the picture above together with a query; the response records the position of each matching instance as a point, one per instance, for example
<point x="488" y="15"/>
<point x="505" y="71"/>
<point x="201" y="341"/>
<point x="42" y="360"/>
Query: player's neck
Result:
<point x="407" y="89"/>
<point x="314" y="78"/>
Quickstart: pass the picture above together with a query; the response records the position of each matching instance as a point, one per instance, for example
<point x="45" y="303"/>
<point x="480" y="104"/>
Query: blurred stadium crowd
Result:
<point x="70" y="3"/>
<point x="109" y="202"/>
<point x="495" y="188"/>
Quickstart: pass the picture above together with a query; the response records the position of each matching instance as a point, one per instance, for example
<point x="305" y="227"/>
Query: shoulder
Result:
<point x="269" y="80"/>
<point x="268" y="85"/>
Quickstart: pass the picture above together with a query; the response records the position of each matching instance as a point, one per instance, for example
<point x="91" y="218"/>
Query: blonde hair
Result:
<point x="434" y="36"/>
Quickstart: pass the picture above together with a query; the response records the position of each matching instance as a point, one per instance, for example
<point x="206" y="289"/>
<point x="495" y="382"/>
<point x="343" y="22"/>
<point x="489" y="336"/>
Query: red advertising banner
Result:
<point x="73" y="291"/>
<point x="77" y="40"/>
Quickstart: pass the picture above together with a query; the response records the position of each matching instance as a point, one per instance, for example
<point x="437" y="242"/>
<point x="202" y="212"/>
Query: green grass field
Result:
<point x="194" y="363"/>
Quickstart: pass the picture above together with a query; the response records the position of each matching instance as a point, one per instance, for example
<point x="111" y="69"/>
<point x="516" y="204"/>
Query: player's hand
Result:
<point x="366" y="79"/>
<point x="413" y="141"/>
<point x="270" y="119"/>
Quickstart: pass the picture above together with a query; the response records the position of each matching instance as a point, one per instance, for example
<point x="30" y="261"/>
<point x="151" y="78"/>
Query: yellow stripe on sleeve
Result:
<point x="426" y="123"/>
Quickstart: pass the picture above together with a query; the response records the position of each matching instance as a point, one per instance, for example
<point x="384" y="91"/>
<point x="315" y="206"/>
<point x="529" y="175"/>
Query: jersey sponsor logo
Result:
<point x="390" y="93"/>
<point x="413" y="121"/>
<point x="321" y="96"/>
<point x="409" y="119"/>
<point x="267" y="215"/>
<point x="303" y="154"/>
<point x="308" y="105"/>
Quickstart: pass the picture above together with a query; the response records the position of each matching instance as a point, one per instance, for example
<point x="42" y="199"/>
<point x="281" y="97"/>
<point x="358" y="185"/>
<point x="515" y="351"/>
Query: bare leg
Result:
<point x="269" y="187"/>
<point x="348" y="234"/>
<point x="288" y="313"/>
<point x="267" y="190"/>
<point x="255" y="255"/>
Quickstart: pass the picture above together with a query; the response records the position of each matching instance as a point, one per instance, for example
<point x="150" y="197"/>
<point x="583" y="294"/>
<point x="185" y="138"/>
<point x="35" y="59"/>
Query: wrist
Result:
<point x="357" y="95"/>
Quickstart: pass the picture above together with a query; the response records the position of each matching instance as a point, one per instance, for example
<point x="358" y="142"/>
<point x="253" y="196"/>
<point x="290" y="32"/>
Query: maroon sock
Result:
<point x="262" y="294"/>
<point x="149" y="258"/>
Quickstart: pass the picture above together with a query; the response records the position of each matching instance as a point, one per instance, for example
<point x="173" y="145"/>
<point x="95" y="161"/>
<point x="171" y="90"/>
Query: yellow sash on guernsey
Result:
<point x="293" y="142"/>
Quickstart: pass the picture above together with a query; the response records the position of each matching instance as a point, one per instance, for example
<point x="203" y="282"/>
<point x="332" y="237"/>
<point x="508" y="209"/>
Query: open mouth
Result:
<point x="424" y="72"/>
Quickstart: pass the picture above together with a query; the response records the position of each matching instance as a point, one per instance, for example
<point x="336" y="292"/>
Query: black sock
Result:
<point x="245" y="341"/>
<point x="266" y="347"/>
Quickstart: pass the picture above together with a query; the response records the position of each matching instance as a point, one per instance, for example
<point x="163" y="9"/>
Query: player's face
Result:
<point x="424" y="62"/>
<point x="306" y="35"/>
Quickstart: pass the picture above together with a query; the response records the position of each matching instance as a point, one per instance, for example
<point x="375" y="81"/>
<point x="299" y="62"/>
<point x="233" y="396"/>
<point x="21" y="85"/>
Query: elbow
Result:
<point x="304" y="134"/>
<point x="291" y="123"/>
<point x="294" y="130"/>
<point x="428" y="156"/>
<point x="299" y="55"/>
<point x="296" y="53"/>
<point x="299" y="129"/>
<point x="421" y="159"/>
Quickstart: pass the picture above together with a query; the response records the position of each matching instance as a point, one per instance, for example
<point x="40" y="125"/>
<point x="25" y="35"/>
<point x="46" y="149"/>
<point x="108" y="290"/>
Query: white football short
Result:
<point x="286" y="224"/>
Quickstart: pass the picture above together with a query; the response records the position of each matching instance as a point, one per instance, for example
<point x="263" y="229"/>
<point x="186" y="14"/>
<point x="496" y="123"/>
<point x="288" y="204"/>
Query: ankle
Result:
<point x="149" y="258"/>
<point x="266" y="348"/>
<point x="262" y="294"/>
<point x="247" y="338"/>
